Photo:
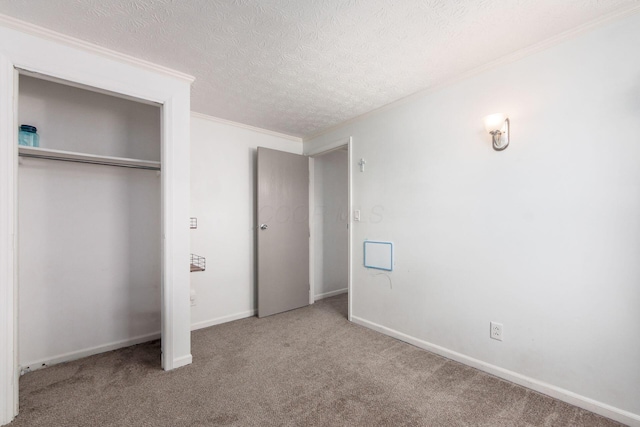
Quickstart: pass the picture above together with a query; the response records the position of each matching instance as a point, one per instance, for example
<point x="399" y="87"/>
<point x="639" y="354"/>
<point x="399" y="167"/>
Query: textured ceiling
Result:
<point x="302" y="66"/>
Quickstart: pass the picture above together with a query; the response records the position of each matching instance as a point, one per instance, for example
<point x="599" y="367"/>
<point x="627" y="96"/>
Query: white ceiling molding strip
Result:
<point x="243" y="126"/>
<point x="41" y="32"/>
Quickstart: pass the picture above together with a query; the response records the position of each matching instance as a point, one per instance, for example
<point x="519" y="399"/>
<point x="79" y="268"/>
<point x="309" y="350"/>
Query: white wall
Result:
<point x="543" y="237"/>
<point x="89" y="235"/>
<point x="223" y="164"/>
<point x="331" y="191"/>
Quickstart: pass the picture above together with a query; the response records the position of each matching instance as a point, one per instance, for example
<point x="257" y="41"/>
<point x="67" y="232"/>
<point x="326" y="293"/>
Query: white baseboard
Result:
<point x="182" y="361"/>
<point x="595" y="406"/>
<point x="223" y="319"/>
<point x="79" y="354"/>
<point x="331" y="294"/>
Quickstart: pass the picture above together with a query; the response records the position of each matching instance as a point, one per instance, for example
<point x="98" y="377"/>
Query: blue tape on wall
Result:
<point x="378" y="255"/>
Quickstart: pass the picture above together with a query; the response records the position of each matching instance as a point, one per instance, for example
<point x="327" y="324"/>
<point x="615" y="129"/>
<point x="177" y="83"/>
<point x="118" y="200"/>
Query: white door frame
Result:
<point x="8" y="247"/>
<point x="23" y="46"/>
<point x="336" y="145"/>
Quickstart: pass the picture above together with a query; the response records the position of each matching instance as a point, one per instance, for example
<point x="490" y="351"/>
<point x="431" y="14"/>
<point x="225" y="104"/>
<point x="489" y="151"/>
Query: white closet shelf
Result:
<point x="71" y="156"/>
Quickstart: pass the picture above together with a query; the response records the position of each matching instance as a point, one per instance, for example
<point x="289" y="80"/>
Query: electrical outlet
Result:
<point x="496" y="331"/>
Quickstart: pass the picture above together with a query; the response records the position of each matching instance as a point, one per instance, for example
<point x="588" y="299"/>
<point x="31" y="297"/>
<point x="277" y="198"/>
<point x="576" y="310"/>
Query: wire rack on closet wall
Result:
<point x="198" y="263"/>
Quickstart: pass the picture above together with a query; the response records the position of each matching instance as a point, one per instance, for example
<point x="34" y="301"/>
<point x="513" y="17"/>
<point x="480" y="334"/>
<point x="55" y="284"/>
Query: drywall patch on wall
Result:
<point x="378" y="255"/>
<point x="540" y="237"/>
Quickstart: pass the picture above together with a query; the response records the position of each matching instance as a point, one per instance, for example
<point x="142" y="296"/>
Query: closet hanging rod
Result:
<point x="90" y="162"/>
<point x="92" y="159"/>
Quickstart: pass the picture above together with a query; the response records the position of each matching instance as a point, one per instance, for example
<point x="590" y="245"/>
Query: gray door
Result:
<point x="283" y="231"/>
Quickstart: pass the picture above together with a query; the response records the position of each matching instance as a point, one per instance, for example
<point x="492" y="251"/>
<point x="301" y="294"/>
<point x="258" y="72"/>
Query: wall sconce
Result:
<point x="498" y="126"/>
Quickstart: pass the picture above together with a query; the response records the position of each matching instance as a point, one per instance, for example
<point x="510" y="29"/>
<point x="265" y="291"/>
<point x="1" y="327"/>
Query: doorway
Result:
<point x="327" y="226"/>
<point x="330" y="222"/>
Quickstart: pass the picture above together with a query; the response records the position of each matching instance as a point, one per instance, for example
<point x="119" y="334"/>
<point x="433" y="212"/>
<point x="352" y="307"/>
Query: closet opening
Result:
<point x="89" y="222"/>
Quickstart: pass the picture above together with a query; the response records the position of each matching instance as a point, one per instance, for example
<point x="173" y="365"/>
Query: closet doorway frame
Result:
<point x="61" y="58"/>
<point x="317" y="152"/>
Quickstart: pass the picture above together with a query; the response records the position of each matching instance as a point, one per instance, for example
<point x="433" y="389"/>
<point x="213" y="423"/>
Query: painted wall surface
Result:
<point x="331" y="191"/>
<point x="543" y="237"/>
<point x="89" y="235"/>
<point x="223" y="193"/>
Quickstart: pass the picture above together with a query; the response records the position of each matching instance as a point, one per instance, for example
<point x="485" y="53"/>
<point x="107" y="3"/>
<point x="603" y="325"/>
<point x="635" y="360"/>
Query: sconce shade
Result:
<point x="498" y="126"/>
<point x="494" y="122"/>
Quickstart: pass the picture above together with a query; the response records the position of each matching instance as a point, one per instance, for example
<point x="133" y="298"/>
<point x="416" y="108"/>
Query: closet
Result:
<point x="89" y="223"/>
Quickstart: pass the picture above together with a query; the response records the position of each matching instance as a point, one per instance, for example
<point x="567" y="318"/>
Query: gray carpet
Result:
<point x="307" y="367"/>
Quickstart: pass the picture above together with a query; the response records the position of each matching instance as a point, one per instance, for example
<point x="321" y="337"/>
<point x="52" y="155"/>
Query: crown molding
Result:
<point x="243" y="126"/>
<point x="512" y="57"/>
<point x="35" y="30"/>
